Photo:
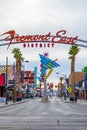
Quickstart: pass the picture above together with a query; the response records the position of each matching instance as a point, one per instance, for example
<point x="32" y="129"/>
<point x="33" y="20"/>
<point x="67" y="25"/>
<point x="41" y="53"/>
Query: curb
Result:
<point x="12" y="104"/>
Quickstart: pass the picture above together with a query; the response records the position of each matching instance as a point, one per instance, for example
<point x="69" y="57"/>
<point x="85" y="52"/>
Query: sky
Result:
<point x="30" y="17"/>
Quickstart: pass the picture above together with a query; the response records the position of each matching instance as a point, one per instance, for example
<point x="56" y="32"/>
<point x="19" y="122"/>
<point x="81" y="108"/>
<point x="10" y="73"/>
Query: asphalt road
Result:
<point x="36" y="115"/>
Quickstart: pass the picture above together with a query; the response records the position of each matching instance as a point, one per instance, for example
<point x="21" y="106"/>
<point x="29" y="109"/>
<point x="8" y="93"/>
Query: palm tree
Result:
<point x="73" y="52"/>
<point x="61" y="79"/>
<point x="19" y="58"/>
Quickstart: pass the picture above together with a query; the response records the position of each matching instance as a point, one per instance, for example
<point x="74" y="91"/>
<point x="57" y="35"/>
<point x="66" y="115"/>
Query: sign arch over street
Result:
<point x="11" y="37"/>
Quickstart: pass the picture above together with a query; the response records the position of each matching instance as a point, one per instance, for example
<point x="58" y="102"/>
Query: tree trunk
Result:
<point x="73" y="65"/>
<point x="72" y="72"/>
<point x="17" y="81"/>
<point x="19" y="75"/>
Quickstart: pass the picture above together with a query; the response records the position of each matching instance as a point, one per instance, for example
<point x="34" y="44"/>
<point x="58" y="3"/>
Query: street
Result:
<point x="36" y="115"/>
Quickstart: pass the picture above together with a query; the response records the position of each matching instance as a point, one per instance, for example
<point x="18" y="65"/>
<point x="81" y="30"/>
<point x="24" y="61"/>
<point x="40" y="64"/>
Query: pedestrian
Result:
<point x="76" y="95"/>
<point x="69" y="91"/>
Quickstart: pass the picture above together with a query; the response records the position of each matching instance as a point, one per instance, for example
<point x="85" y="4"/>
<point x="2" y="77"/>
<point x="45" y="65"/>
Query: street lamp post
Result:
<point x="23" y="69"/>
<point x="14" y="77"/>
<point x="23" y="66"/>
<point x="6" y="101"/>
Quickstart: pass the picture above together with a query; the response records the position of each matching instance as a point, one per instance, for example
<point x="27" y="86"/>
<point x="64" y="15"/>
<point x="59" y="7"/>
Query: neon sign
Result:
<point x="59" y="37"/>
<point x="47" y="64"/>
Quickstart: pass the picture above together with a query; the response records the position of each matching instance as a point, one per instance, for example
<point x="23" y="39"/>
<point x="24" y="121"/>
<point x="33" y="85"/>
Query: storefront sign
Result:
<point x="37" y="40"/>
<point x="2" y="80"/>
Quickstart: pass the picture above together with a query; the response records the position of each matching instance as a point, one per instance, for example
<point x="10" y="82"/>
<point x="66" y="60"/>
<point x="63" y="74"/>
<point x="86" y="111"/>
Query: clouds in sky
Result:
<point x="40" y="17"/>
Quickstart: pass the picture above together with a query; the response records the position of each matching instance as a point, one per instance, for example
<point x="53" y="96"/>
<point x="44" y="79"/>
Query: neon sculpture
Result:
<point x="49" y="72"/>
<point x="47" y="64"/>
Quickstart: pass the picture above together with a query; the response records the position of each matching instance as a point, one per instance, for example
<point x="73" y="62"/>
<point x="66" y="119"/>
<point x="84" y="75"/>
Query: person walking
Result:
<point x="76" y="95"/>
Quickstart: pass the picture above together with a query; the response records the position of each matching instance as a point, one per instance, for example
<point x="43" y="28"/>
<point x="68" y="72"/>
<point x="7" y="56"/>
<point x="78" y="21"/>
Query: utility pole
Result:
<point x="6" y="87"/>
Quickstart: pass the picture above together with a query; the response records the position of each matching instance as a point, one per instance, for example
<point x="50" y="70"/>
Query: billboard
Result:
<point x="2" y="80"/>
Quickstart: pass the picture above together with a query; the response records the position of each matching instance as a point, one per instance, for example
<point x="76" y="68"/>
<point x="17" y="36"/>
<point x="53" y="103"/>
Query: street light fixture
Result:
<point x="27" y="61"/>
<point x="64" y="76"/>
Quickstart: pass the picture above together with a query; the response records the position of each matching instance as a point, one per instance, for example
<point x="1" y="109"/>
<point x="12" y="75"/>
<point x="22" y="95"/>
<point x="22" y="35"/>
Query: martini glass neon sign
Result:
<point x="47" y="64"/>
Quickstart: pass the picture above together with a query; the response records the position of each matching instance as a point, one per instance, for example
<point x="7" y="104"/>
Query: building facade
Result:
<point x="4" y="76"/>
<point x="75" y="78"/>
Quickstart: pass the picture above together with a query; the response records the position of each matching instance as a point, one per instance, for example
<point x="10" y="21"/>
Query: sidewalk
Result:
<point x="81" y="101"/>
<point x="10" y="103"/>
